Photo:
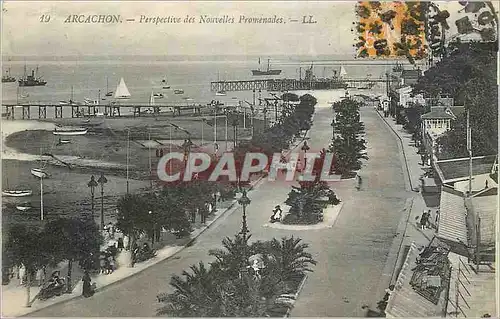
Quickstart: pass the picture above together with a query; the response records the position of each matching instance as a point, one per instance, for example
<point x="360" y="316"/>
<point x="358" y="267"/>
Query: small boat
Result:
<point x="70" y="131"/>
<point x="17" y="193"/>
<point x="158" y="95"/>
<point x="7" y="78"/>
<point x="166" y="87"/>
<point x="23" y="207"/>
<point x="39" y="172"/>
<point x="234" y="98"/>
<point x="122" y="91"/>
<point x="179" y="91"/>
<point x="62" y="142"/>
<point x="220" y="93"/>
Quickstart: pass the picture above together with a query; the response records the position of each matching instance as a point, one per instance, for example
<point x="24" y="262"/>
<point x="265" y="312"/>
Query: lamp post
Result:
<point x="244" y="201"/>
<point x="102" y="180"/>
<point x="153" y="229"/>
<point x="333" y="129"/>
<point x="92" y="184"/>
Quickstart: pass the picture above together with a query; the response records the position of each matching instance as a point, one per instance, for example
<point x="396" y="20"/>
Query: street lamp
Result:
<point x="153" y="230"/>
<point x="244" y="201"/>
<point x="92" y="184"/>
<point x="102" y="180"/>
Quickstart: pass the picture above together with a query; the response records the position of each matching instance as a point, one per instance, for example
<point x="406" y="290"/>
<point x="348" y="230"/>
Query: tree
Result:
<point x="468" y="74"/>
<point x="73" y="240"/>
<point x="29" y="247"/>
<point x="349" y="146"/>
<point x="229" y="288"/>
<point x="133" y="217"/>
<point x="292" y="258"/>
<point x="307" y="202"/>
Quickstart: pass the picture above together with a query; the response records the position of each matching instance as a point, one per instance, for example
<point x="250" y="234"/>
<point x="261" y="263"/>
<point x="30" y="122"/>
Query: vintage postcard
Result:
<point x="249" y="158"/>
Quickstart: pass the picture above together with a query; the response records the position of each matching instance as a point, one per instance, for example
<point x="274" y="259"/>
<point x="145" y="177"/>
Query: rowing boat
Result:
<point x="17" y="193"/>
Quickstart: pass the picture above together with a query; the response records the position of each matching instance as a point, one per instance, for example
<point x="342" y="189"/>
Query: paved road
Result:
<point x="350" y="256"/>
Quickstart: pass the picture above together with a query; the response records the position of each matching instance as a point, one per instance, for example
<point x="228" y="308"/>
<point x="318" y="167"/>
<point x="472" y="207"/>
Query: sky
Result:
<point x="24" y="35"/>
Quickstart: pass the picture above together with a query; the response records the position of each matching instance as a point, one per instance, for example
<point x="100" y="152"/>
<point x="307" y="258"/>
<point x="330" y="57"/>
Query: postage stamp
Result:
<point x="249" y="158"/>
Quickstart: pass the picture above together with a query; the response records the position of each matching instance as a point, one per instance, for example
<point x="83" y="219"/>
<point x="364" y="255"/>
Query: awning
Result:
<point x="452" y="217"/>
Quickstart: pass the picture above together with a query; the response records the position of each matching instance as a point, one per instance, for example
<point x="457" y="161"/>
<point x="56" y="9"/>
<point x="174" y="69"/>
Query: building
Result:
<point x="435" y="123"/>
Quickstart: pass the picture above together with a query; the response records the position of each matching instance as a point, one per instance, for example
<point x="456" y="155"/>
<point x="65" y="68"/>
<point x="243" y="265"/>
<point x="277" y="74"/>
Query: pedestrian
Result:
<point x="102" y="263"/>
<point x="428" y="220"/>
<point x="111" y="264"/>
<point x="112" y="230"/>
<point x="15" y="272"/>
<point x="87" y="290"/>
<point x="120" y="243"/>
<point x="39" y="276"/>
<point x="22" y="274"/>
<point x="125" y="242"/>
<point x="423" y="220"/>
<point x="437" y="216"/>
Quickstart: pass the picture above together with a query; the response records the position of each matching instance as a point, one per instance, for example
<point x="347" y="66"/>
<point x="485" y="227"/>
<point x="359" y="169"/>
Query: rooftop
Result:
<point x="421" y="288"/>
<point x="458" y="168"/>
<point x="452" y="216"/>
<point x="476" y="291"/>
<point x="438" y="114"/>
<point x="485" y="206"/>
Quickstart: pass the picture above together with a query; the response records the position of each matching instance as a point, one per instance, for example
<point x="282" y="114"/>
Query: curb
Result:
<point x="181" y="248"/>
<point x="301" y="286"/>
<point x="395" y="250"/>
<point x="401" y="147"/>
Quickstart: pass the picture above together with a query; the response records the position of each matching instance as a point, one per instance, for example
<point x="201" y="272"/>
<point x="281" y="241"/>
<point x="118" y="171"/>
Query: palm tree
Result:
<point x="292" y="259"/>
<point x="196" y="294"/>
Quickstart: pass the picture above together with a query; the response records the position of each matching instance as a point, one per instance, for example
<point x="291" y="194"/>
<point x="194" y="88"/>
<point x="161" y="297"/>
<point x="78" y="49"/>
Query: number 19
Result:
<point x="44" y="18"/>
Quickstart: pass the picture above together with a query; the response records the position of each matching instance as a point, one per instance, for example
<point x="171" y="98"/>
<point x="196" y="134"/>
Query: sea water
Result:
<point x="78" y="78"/>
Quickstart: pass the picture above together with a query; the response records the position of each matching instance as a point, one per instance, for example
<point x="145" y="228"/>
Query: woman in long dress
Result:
<point x="22" y="274"/>
<point x="87" y="287"/>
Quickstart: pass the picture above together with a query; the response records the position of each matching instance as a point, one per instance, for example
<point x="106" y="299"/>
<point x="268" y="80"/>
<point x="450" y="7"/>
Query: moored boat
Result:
<point x="70" y="131"/>
<point x="17" y="193"/>
<point x="7" y="78"/>
<point x="39" y="172"/>
<point x="220" y="93"/>
<point x="31" y="80"/>
<point x="269" y="71"/>
<point x="23" y="207"/>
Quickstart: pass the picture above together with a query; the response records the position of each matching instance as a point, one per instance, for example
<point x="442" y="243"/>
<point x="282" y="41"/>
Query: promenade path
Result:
<point x="351" y="256"/>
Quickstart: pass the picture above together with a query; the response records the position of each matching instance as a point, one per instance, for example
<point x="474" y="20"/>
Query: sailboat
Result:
<point x="343" y="72"/>
<point x="108" y="92"/>
<point x="165" y="85"/>
<point x="220" y="92"/>
<point x="122" y="91"/>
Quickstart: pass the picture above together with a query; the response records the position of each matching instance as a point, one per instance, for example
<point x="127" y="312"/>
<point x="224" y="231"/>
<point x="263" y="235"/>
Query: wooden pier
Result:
<point x="290" y="84"/>
<point x="110" y="110"/>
